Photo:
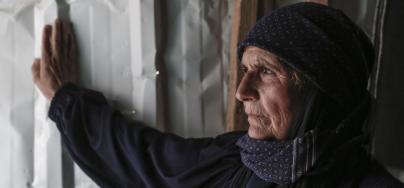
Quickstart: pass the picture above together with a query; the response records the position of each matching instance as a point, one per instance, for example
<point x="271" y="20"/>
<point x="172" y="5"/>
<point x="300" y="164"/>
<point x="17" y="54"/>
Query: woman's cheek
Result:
<point x="278" y="110"/>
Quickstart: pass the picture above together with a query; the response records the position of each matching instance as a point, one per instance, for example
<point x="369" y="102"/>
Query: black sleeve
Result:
<point x="116" y="152"/>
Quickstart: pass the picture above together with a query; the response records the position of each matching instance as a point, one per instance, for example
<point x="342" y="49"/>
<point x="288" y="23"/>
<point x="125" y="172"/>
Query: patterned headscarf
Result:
<point x="336" y="57"/>
<point x="320" y="42"/>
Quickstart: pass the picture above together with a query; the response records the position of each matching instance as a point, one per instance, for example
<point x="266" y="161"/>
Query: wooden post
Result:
<point x="244" y="17"/>
<point x="160" y="19"/>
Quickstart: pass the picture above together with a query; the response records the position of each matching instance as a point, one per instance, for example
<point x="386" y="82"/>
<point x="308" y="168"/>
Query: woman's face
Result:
<point x="267" y="93"/>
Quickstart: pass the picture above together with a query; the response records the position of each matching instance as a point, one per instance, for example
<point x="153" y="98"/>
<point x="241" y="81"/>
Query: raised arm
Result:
<point x="116" y="152"/>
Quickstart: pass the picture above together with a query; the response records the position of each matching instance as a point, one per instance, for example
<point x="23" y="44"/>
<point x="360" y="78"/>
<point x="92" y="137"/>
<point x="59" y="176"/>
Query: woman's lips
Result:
<point x="254" y="119"/>
<point x="257" y="120"/>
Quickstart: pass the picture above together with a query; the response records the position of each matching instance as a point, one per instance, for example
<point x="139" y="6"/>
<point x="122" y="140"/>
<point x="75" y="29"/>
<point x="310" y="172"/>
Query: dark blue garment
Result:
<point x="117" y="153"/>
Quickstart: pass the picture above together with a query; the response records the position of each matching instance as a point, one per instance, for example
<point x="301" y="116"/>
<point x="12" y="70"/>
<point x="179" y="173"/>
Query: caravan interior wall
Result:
<point x="161" y="62"/>
<point x="118" y="45"/>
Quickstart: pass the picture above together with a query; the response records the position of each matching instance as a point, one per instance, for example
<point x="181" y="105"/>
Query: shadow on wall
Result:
<point x="389" y="136"/>
<point x="388" y="120"/>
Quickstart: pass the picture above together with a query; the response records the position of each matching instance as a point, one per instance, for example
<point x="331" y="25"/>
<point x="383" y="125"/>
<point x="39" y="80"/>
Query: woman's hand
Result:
<point x="58" y="64"/>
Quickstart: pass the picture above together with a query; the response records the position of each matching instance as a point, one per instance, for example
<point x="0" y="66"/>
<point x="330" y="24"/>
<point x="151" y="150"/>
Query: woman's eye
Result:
<point x="266" y="71"/>
<point x="243" y="69"/>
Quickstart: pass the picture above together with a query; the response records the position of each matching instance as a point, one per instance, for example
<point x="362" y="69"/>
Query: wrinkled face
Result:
<point x="267" y="93"/>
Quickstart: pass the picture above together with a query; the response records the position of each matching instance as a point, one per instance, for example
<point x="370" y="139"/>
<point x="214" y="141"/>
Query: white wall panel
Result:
<point x="118" y="47"/>
<point x="198" y="35"/>
<point x="16" y="102"/>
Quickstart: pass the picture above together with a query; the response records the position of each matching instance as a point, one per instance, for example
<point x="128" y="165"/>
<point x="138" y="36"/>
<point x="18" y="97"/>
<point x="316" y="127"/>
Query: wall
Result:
<point x="389" y="139"/>
<point x="381" y="20"/>
<point x="141" y="54"/>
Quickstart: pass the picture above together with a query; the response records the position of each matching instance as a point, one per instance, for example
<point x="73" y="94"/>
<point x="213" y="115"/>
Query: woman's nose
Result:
<point x="246" y="90"/>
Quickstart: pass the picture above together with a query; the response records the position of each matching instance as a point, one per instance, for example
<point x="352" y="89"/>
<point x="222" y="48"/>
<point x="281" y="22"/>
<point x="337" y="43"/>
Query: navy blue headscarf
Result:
<point x="335" y="56"/>
<point x="322" y="43"/>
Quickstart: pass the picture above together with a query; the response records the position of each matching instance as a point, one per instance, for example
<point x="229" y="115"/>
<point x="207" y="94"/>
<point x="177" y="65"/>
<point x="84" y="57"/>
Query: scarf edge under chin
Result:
<point x="280" y="162"/>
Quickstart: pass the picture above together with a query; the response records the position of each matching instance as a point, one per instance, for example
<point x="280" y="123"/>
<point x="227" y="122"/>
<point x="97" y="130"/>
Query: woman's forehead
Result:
<point x="255" y="55"/>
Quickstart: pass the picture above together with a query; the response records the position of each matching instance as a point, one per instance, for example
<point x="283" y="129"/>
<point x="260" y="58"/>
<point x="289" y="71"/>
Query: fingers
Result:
<point x="59" y="52"/>
<point x="72" y="53"/>
<point x="71" y="40"/>
<point x="56" y="75"/>
<point x="66" y="41"/>
<point x="46" y="46"/>
<point x="57" y="45"/>
<point x="35" y="69"/>
<point x="57" y="38"/>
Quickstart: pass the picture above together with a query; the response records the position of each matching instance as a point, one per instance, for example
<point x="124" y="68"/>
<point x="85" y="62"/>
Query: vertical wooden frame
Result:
<point x="244" y="17"/>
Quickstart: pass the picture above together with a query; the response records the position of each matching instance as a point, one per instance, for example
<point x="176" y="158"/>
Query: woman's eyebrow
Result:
<point x="267" y="62"/>
<point x="261" y="61"/>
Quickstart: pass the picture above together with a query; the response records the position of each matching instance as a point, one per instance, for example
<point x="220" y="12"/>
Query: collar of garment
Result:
<point x="280" y="162"/>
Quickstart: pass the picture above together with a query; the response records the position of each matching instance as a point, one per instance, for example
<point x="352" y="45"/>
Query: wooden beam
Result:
<point x="160" y="20"/>
<point x="244" y="18"/>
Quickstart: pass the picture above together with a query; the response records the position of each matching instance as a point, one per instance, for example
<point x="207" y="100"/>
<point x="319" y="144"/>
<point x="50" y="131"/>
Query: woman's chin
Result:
<point x="256" y="133"/>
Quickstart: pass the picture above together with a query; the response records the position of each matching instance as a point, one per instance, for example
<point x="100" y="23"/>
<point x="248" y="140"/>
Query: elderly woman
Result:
<point x="305" y="70"/>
